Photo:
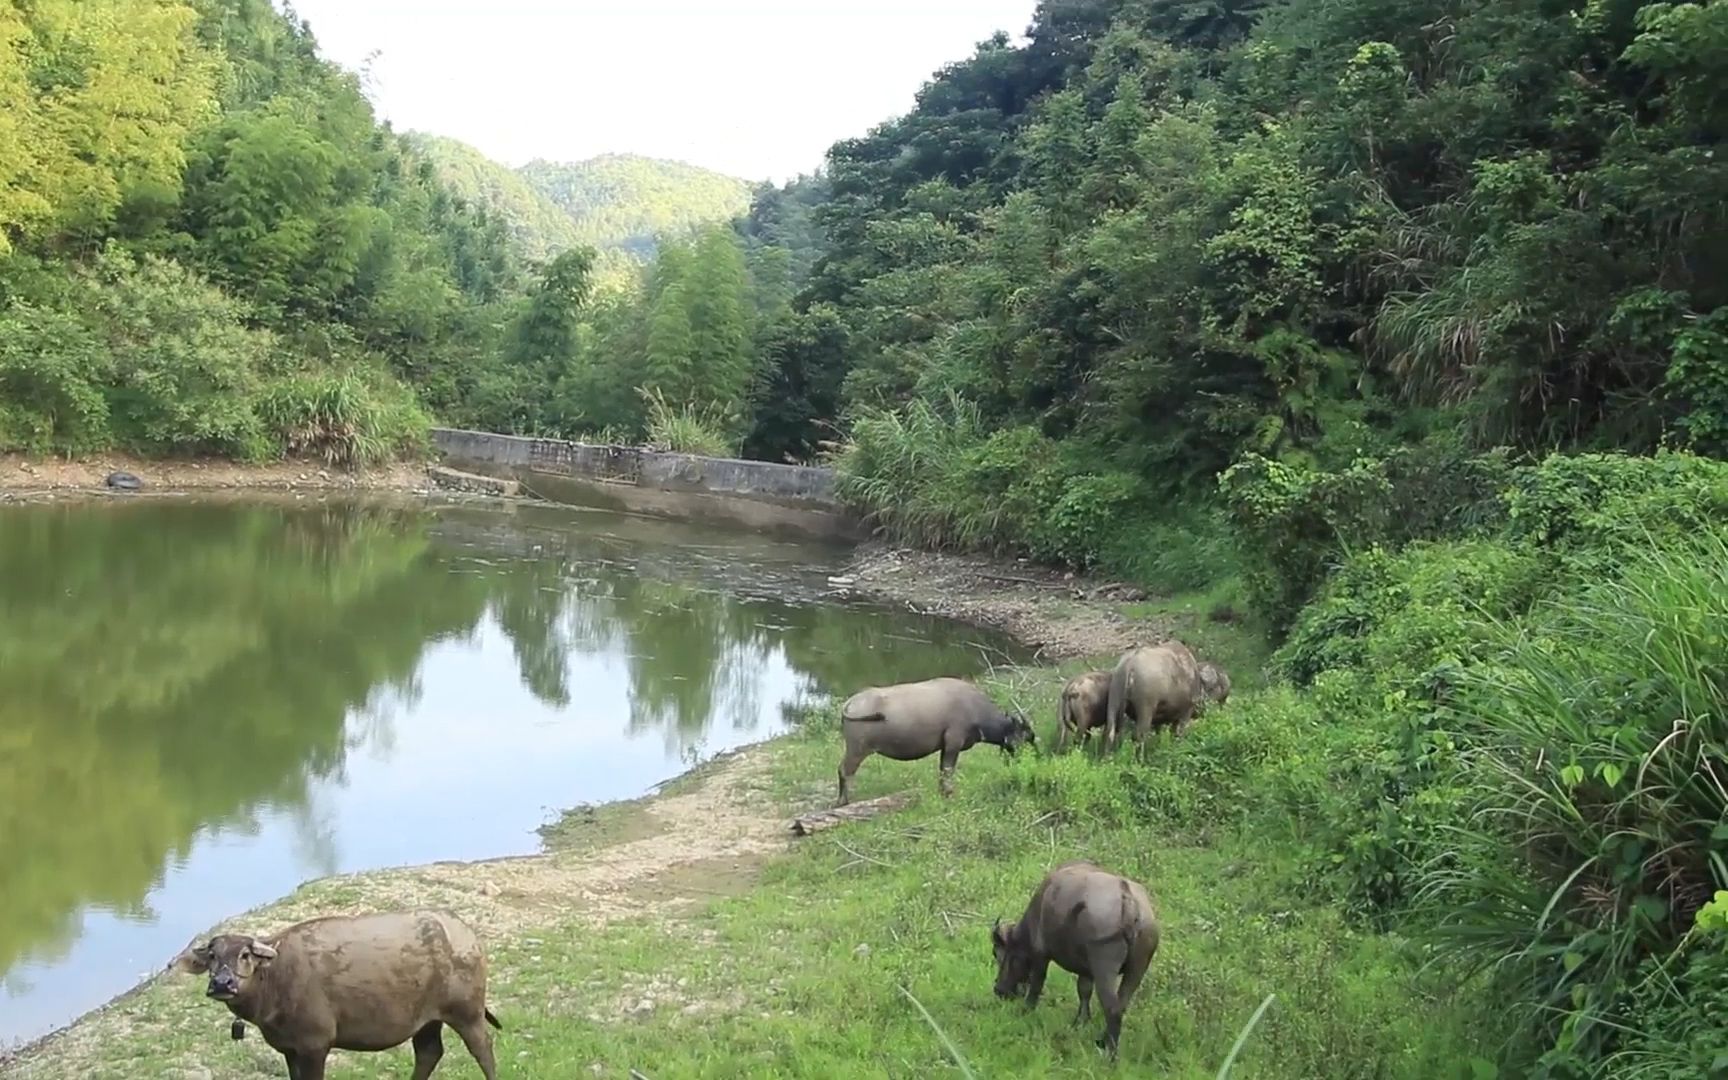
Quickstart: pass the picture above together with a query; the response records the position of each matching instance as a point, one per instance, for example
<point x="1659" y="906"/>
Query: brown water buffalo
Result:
<point x="362" y="982"/>
<point x="1091" y="922"/>
<point x="1159" y="684"/>
<point x="908" y="721"/>
<point x="1084" y="706"/>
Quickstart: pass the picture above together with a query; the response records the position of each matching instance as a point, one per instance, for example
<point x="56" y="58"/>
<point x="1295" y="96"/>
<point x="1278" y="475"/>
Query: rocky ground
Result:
<point x="1060" y="615"/>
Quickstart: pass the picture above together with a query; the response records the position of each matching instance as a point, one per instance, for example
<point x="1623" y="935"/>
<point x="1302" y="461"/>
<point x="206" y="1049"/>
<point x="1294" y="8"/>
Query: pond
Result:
<point x="206" y="702"/>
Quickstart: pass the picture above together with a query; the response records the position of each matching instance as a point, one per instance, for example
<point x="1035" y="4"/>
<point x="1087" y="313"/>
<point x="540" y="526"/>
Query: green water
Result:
<point x="203" y="704"/>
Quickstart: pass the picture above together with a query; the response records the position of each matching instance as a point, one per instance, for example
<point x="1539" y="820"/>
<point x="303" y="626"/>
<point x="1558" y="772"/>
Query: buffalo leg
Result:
<point x="1107" y="962"/>
<point x="479" y="1043"/>
<point x="849" y="765"/>
<point x="428" y="1048"/>
<point x="945" y="771"/>
<point x="1083" y="986"/>
<point x="1035" y="980"/>
<point x="293" y="1061"/>
<point x="1184" y="720"/>
<point x="312" y="1064"/>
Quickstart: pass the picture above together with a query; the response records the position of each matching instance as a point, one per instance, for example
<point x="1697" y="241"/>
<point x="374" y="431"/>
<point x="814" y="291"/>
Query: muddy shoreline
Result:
<point x="22" y="476"/>
<point x="1060" y="616"/>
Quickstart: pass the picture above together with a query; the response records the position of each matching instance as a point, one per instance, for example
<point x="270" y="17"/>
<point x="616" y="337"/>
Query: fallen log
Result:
<point x="817" y="820"/>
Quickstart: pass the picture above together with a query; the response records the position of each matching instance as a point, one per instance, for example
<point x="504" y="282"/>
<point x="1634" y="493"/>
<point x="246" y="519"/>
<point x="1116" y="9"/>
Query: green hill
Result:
<point x="616" y="203"/>
<point x="619" y="202"/>
<point x="539" y="226"/>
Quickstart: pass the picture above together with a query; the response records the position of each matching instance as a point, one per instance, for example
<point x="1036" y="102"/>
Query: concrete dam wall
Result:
<point x="753" y="494"/>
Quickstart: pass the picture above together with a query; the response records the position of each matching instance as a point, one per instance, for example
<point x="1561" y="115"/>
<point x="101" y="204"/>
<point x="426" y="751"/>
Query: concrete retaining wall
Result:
<point x="757" y="494"/>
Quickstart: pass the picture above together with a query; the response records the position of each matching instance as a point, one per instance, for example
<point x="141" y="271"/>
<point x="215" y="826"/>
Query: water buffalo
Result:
<point x="1091" y="922"/>
<point x="1084" y="706"/>
<point x="908" y="721"/>
<point x="1159" y="684"/>
<point x="1214" y="683"/>
<point x="362" y="982"/>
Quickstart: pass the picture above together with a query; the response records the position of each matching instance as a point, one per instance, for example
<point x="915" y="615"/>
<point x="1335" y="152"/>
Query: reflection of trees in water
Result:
<point x="170" y="669"/>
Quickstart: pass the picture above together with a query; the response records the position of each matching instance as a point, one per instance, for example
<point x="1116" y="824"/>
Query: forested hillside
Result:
<point x="620" y="205"/>
<point x="539" y="227"/>
<point x="210" y="245"/>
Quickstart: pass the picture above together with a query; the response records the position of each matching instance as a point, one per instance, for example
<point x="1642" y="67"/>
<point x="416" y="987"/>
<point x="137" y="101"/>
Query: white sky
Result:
<point x="755" y="88"/>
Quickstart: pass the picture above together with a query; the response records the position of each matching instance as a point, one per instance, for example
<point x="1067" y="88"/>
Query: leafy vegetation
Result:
<point x="212" y="247"/>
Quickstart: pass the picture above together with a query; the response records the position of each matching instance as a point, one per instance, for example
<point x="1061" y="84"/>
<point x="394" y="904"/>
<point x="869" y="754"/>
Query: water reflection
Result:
<point x="202" y="705"/>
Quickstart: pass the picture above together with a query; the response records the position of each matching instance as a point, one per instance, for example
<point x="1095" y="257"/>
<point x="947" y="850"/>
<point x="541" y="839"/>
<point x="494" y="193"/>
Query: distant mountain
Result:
<point x="616" y="203"/>
<point x="620" y="201"/>
<point x="537" y="224"/>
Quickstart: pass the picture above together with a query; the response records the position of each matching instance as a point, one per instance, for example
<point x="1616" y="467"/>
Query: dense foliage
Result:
<point x="209" y="244"/>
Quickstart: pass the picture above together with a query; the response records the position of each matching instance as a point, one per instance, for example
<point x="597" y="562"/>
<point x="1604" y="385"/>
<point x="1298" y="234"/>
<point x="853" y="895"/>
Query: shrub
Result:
<point x="344" y="418"/>
<point x="53" y="369"/>
<point x="1593" y="739"/>
<point x="687" y="429"/>
<point x="1294" y="525"/>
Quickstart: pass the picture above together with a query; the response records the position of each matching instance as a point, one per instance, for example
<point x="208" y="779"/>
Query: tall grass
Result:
<point x="1597" y="762"/>
<point x="687" y="428"/>
<point x="342" y="418"/>
<point x="897" y="467"/>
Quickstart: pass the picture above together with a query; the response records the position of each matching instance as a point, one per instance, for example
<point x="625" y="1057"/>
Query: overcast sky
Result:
<point x="756" y="88"/>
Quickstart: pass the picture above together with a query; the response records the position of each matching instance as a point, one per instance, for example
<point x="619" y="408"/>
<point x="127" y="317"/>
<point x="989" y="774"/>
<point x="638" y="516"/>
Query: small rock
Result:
<point x="693" y="1008"/>
<point x="323" y="475"/>
<point x="597" y="1069"/>
<point x="646" y="1005"/>
<point x="489" y="888"/>
<point x="861" y="950"/>
<point x="196" y="1072"/>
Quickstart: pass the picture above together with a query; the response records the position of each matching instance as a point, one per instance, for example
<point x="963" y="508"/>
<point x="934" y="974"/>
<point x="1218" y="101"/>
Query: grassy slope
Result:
<point x="801" y="973"/>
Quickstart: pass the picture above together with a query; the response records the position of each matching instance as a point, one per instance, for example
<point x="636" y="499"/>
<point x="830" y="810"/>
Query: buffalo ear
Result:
<point x="996" y="935"/>
<point x="194" y="959"/>
<point x="262" y="951"/>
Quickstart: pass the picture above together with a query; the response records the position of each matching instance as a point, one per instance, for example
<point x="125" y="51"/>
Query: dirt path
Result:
<point x="708" y="837"/>
<point x="26" y="475"/>
<point x="1061" y="615"/>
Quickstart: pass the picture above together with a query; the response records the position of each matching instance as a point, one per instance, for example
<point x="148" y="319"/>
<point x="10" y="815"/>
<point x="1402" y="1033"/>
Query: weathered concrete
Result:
<point x="453" y="480"/>
<point x="757" y="494"/>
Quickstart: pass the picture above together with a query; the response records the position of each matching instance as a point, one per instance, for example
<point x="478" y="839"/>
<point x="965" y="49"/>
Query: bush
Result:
<point x="53" y="369"/>
<point x="1592" y="742"/>
<point x="688" y="429"/>
<point x="142" y="354"/>
<point x="928" y="476"/>
<point x="1294" y="525"/>
<point x="344" y="418"/>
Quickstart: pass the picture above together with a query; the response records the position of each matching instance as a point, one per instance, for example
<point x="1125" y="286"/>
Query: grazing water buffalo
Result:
<point x="1084" y="706"/>
<point x="1090" y="922"/>
<point x="1214" y="683"/>
<point x="363" y="982"/>
<point x="1159" y="684"/>
<point x="908" y="721"/>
